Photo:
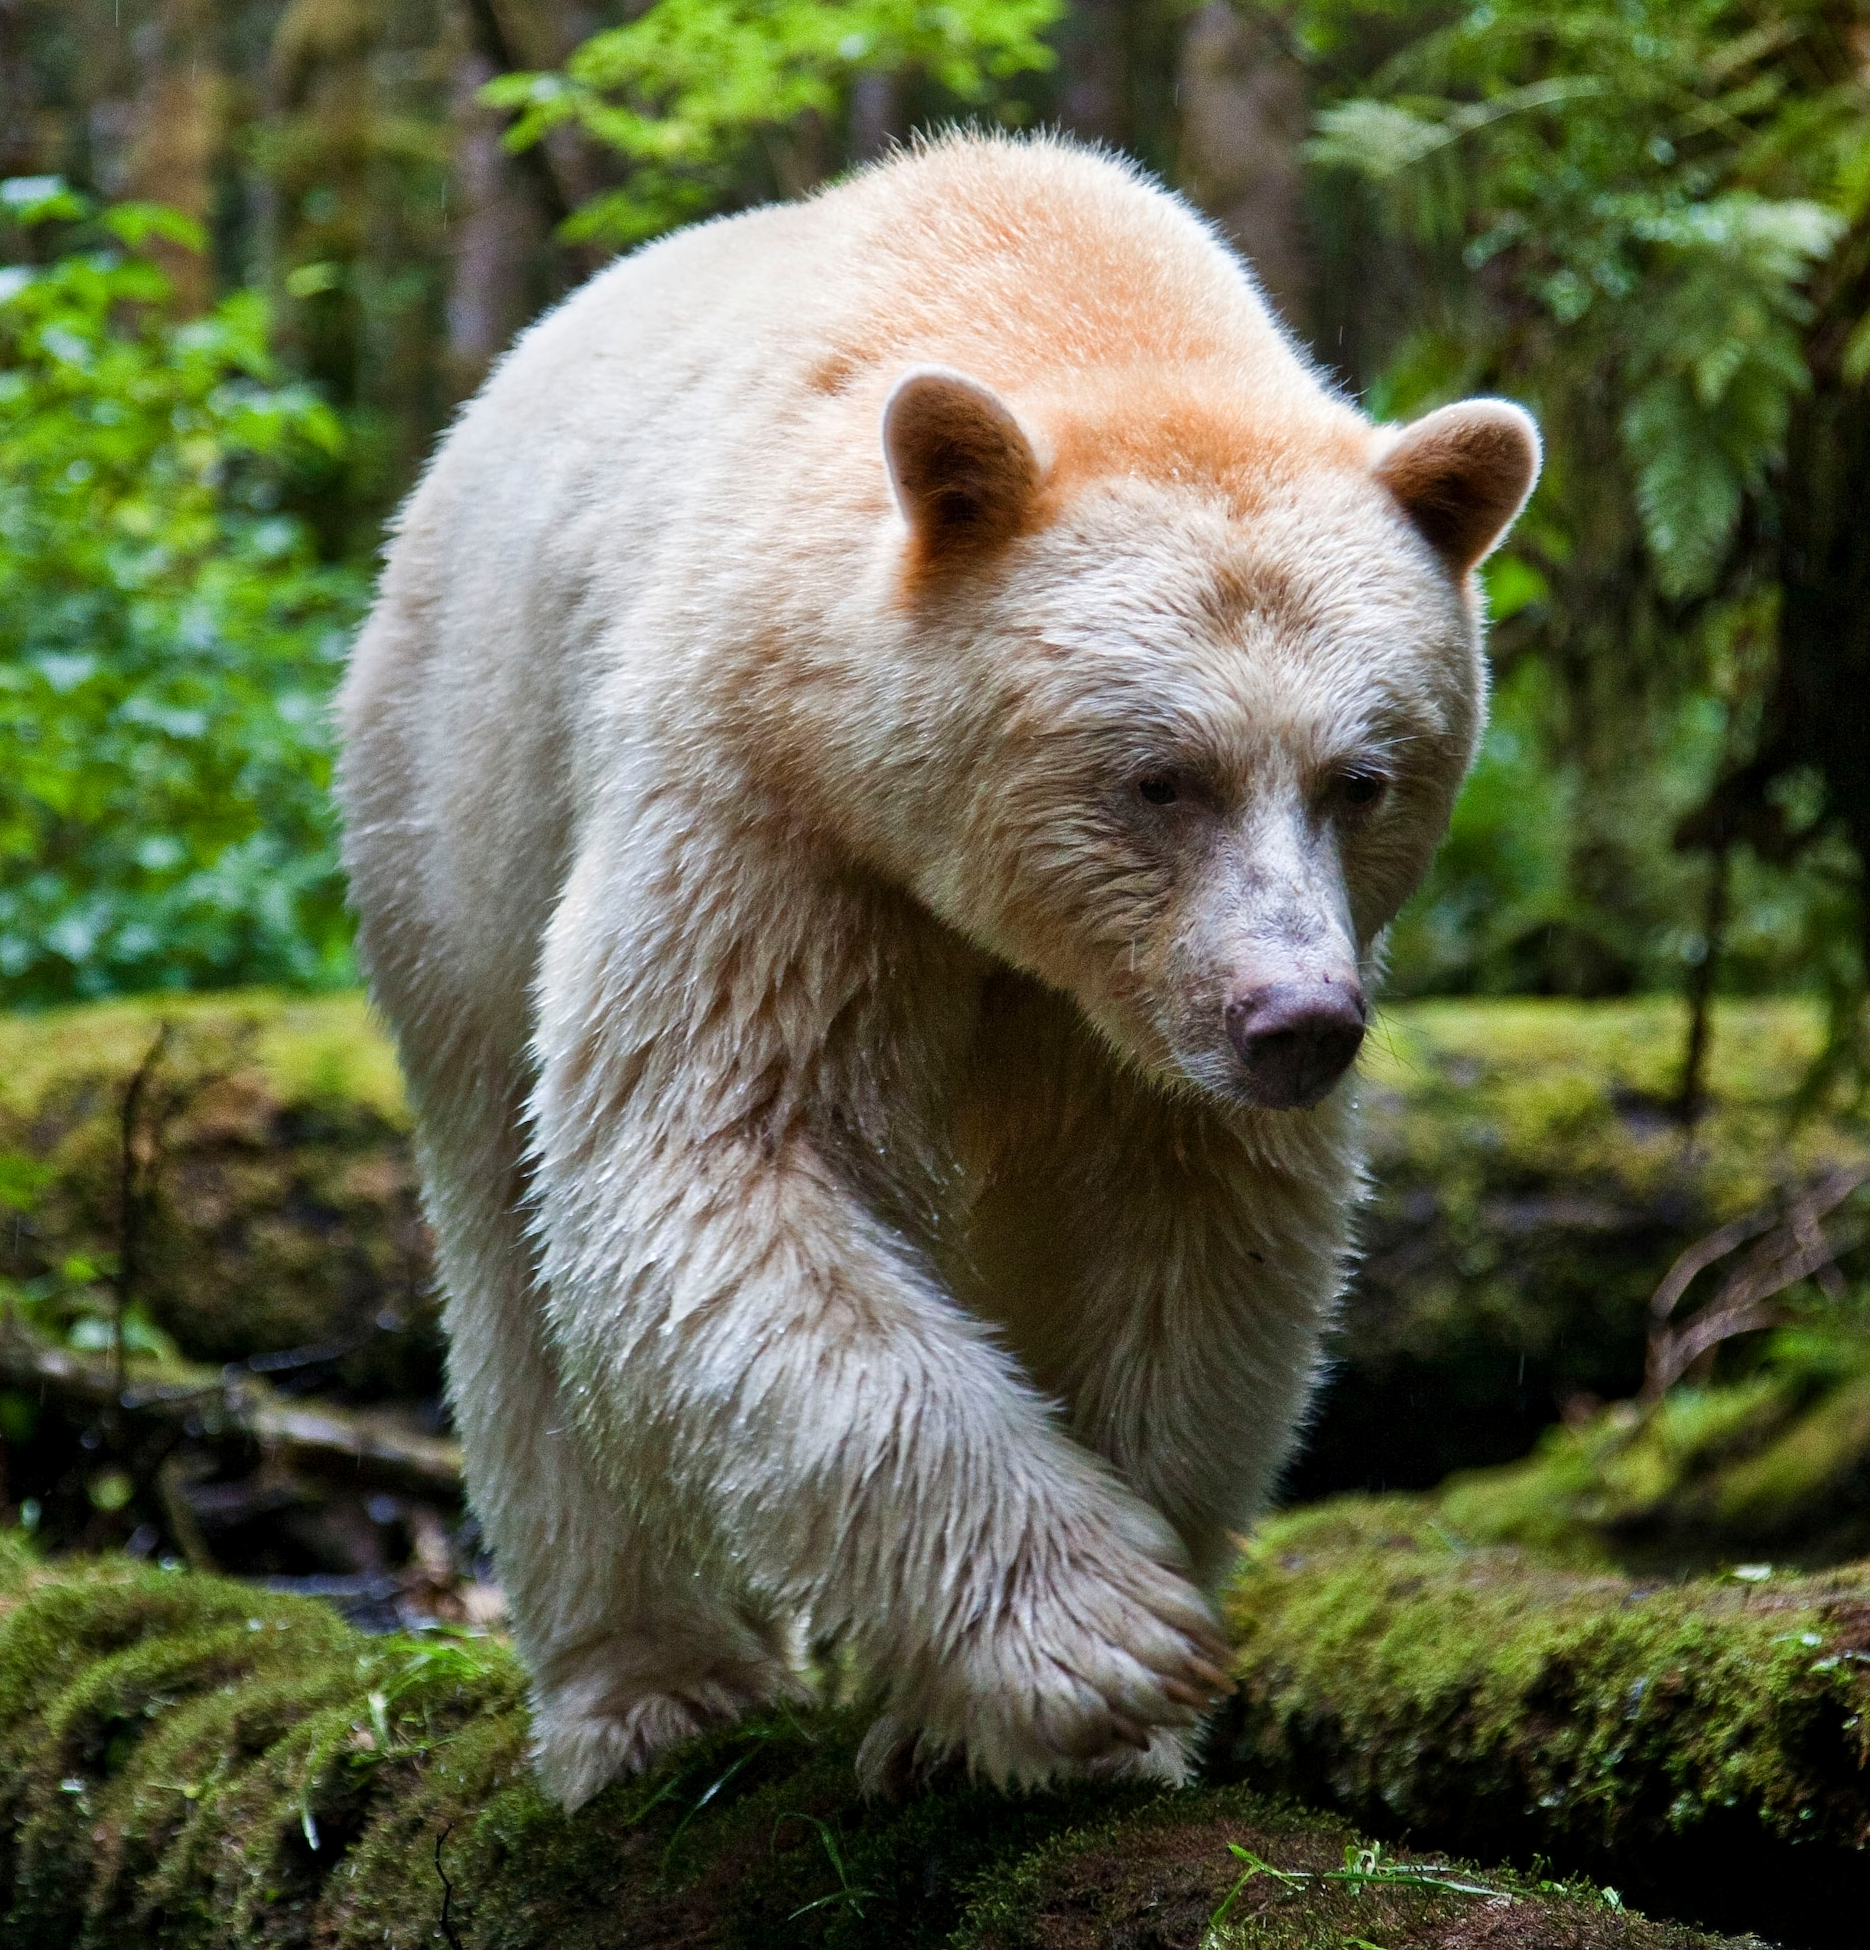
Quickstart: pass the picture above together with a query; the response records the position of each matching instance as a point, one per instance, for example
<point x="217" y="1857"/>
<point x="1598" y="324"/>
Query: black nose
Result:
<point x="1295" y="1039"/>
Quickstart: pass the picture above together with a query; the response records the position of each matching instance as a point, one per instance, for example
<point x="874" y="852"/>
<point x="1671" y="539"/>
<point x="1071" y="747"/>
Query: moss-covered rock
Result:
<point x="278" y="1200"/>
<point x="1703" y="1744"/>
<point x="188" y="1764"/>
<point x="1530" y="1190"/>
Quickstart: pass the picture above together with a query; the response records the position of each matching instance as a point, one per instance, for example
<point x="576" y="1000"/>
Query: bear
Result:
<point x="889" y="737"/>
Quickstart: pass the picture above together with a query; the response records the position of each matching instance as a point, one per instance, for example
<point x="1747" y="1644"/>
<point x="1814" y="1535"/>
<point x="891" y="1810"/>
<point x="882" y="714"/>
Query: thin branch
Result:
<point x="131" y="1193"/>
<point x="1794" y="1248"/>
<point x="1702" y="1254"/>
<point x="449" y="1933"/>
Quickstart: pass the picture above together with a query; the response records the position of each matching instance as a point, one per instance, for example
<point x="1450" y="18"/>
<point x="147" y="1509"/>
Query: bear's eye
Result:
<point x="1359" y="790"/>
<point x="1158" y="790"/>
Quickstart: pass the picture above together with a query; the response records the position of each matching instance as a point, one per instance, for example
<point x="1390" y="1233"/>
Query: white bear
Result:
<point x="891" y="733"/>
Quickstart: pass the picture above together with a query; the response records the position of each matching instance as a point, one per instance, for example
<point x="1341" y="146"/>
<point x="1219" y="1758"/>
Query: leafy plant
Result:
<point x="1620" y="171"/>
<point x="692" y="90"/>
<point x="168" y="639"/>
<point x="1629" y="214"/>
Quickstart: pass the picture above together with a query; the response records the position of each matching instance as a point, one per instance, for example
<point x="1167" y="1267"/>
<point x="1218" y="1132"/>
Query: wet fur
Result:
<point x="851" y="1224"/>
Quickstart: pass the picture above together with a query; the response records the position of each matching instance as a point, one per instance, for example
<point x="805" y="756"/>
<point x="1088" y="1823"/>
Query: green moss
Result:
<point x="1775" y="1465"/>
<point x="1273" y="1873"/>
<point x="186" y="1763"/>
<point x="280" y="1203"/>
<point x="307" y="1048"/>
<point x="1531" y="1188"/>
<point x="1391" y="1669"/>
<point x="1571" y="1095"/>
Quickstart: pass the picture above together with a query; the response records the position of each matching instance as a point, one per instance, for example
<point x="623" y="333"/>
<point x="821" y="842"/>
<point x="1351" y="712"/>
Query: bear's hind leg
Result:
<point x="611" y="1705"/>
<point x="629" y="1653"/>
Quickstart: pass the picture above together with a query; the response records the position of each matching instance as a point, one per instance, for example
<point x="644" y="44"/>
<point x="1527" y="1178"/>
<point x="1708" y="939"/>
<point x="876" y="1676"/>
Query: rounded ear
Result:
<point x="962" y="468"/>
<point x="1462" y="474"/>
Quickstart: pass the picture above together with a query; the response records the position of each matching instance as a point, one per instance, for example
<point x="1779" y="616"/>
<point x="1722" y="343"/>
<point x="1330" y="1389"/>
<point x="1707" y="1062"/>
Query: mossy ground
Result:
<point x="188" y="1764"/>
<point x="1531" y="1186"/>
<point x="1773" y="1465"/>
<point x="1702" y="1743"/>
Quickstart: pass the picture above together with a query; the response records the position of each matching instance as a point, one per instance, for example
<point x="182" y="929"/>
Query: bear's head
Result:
<point x="1185" y="697"/>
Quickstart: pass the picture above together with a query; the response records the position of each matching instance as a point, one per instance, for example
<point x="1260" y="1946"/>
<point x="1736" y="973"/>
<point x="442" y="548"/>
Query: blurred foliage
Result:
<point x="685" y="91"/>
<point x="1644" y="218"/>
<point x="1615" y="164"/>
<point x="167" y="637"/>
<point x="1628" y="214"/>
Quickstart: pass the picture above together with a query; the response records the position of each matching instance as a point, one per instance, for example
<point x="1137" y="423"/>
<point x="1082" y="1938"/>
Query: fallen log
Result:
<point x="1704" y="1744"/>
<point x="193" y="1762"/>
<point x="205" y="1403"/>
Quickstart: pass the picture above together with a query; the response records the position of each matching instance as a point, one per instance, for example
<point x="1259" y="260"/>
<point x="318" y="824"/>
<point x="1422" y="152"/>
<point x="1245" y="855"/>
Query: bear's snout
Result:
<point x="1295" y="1039"/>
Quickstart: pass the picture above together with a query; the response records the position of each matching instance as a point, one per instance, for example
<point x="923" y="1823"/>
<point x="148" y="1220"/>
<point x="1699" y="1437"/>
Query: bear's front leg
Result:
<point x="777" y="1384"/>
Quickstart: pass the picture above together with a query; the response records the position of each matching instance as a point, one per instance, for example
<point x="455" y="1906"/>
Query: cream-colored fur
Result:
<point x="856" y="1226"/>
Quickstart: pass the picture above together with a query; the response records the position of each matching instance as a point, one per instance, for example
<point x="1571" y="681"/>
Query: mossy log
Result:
<point x="276" y="1191"/>
<point x="220" y="1404"/>
<point x="188" y="1763"/>
<point x="1703" y="1744"/>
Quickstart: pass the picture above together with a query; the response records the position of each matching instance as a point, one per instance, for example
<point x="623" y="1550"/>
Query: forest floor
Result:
<point x="220" y="1354"/>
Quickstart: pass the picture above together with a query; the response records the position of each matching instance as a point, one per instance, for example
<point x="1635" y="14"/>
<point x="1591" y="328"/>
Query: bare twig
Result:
<point x="449" y="1932"/>
<point x="1690" y="1094"/>
<point x="1701" y="1255"/>
<point x="132" y="1191"/>
<point x="1794" y="1248"/>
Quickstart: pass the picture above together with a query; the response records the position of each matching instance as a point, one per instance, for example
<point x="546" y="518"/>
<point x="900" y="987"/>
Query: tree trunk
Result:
<point x="18" y="93"/>
<point x="173" y="155"/>
<point x="1093" y="91"/>
<point x="1244" y="116"/>
<point x="493" y="233"/>
<point x="876" y="116"/>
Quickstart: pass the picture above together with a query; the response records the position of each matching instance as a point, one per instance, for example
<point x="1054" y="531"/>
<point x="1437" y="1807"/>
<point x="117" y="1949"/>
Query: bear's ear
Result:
<point x="963" y="470"/>
<point x="1462" y="475"/>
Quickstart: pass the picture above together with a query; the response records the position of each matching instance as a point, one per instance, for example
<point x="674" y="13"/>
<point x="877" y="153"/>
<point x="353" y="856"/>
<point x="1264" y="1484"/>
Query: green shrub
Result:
<point x="168" y="639"/>
<point x="693" y="92"/>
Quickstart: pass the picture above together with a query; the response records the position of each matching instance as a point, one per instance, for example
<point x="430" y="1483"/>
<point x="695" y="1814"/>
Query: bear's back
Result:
<point x="1027" y="260"/>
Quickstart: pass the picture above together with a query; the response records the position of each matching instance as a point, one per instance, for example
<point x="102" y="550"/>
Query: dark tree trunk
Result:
<point x="494" y="232"/>
<point x="1093" y="71"/>
<point x="1817" y="719"/>
<point x="876" y="116"/>
<point x="1244" y="116"/>
<point x="1820" y="713"/>
<point x="172" y="158"/>
<point x="18" y="93"/>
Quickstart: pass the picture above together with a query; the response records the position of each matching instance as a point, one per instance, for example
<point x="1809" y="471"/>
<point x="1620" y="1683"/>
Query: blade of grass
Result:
<point x="707" y="1794"/>
<point x="847" y="1892"/>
